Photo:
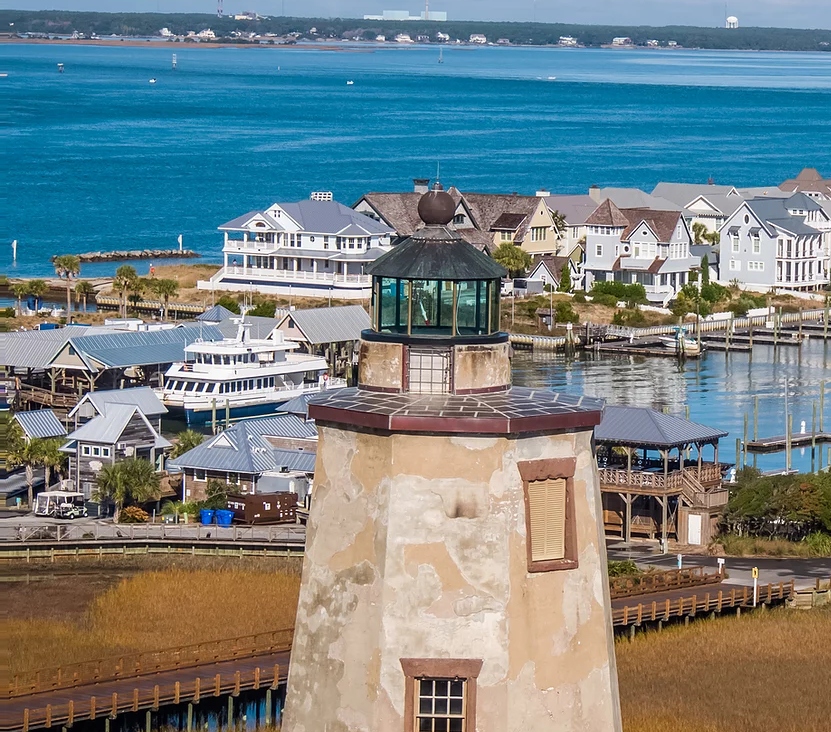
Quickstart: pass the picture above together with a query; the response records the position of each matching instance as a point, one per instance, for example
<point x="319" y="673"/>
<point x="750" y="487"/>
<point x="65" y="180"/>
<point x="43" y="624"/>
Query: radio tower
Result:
<point x="426" y="9"/>
<point x="219" y="8"/>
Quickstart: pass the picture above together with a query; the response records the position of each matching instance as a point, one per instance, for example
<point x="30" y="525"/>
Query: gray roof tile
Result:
<point x="331" y="325"/>
<point x="641" y="426"/>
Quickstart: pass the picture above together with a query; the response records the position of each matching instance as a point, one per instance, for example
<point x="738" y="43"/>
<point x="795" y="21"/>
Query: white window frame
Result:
<point x="735" y="265"/>
<point x="86" y="450"/>
<point x="196" y="477"/>
<point x="598" y="250"/>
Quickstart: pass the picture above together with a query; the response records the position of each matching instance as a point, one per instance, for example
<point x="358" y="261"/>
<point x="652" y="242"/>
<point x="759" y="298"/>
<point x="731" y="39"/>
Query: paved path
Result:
<point x="804" y="572"/>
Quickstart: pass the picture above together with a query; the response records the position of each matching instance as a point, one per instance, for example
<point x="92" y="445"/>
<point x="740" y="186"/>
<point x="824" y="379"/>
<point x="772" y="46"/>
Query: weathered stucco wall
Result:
<point x="381" y="365"/>
<point x="481" y="367"/>
<point x="416" y="549"/>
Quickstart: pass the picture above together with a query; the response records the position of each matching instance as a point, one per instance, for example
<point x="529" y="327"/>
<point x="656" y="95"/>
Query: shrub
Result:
<point x="740" y="307"/>
<point x="6" y="312"/>
<point x="631" y="293"/>
<point x="133" y="515"/>
<point x="632" y="318"/>
<point x="624" y="568"/>
<point x="609" y="300"/>
<point x="579" y="297"/>
<point x="713" y="292"/>
<point x="565" y="313"/>
<point x="819" y="543"/>
<point x="264" y="309"/>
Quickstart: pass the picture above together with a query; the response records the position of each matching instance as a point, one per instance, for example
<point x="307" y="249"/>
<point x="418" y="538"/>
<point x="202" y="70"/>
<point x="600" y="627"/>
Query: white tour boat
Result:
<point x="243" y="376"/>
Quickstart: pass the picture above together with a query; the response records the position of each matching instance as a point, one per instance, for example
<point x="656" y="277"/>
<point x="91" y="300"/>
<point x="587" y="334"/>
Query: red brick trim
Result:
<point x="551" y="469"/>
<point x="440" y="668"/>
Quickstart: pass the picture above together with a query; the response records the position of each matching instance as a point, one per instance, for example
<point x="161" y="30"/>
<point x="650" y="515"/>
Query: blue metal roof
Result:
<point x="644" y="427"/>
<point x="216" y="314"/>
<point x="41" y="423"/>
<point x="245" y="448"/>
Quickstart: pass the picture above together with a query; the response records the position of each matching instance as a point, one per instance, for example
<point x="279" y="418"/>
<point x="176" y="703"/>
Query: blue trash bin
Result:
<point x="224" y="517"/>
<point x="206" y="515"/>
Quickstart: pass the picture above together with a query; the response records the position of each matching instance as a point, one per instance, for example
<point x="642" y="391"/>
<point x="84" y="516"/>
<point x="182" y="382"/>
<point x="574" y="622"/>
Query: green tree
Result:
<point x="20" y="290"/>
<point x="69" y="266"/>
<point x="186" y="440"/>
<point x="37" y="288"/>
<point x="124" y="281"/>
<point x="264" y="309"/>
<point x="705" y="271"/>
<point x="84" y="290"/>
<point x="51" y="458"/>
<point x="165" y="289"/>
<point x="127" y="482"/>
<point x="513" y="258"/>
<point x="565" y="278"/>
<point x="24" y="453"/>
<point x="229" y="303"/>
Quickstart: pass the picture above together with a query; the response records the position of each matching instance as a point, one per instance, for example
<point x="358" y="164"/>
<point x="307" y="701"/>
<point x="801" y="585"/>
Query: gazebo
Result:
<point x="654" y="477"/>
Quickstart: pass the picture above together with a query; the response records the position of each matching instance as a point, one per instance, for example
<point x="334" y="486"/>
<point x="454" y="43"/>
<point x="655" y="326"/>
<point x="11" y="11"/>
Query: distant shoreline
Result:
<point x="174" y="45"/>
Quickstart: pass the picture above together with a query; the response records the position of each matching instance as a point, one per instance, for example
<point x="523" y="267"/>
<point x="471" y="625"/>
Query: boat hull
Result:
<point x="205" y="416"/>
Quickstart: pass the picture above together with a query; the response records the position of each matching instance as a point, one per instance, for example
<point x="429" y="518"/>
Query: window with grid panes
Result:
<point x="429" y="370"/>
<point x="440" y="705"/>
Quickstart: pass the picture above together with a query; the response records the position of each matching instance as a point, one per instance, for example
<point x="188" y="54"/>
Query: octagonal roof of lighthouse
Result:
<point x="436" y="251"/>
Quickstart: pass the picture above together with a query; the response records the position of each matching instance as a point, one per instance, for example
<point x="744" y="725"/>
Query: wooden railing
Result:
<point x="671" y="579"/>
<point x="663" y="610"/>
<point x="36" y="395"/>
<point x="674" y="480"/>
<point x="150" y="662"/>
<point x="191" y="689"/>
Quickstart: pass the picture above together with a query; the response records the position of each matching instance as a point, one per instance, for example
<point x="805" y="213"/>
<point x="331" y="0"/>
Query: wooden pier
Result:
<point x="777" y="443"/>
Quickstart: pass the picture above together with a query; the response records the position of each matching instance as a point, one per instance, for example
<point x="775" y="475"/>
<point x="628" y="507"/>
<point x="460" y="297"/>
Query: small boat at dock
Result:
<point x="690" y="346"/>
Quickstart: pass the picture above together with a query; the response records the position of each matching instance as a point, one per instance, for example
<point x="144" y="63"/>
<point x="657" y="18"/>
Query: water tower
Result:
<point x="455" y="570"/>
<point x="732" y="22"/>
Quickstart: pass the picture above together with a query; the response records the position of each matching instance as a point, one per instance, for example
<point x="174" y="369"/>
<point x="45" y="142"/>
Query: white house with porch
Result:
<point x="315" y="248"/>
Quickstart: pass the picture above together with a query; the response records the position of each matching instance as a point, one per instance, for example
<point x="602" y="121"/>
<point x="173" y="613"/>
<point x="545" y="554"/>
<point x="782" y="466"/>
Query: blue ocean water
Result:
<point x="97" y="158"/>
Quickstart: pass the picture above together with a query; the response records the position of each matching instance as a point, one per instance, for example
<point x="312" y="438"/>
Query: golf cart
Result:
<point x="60" y="504"/>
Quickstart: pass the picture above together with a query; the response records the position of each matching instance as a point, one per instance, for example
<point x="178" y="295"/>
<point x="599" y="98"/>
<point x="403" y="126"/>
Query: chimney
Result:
<point x="542" y="193"/>
<point x="421" y="185"/>
<point x="594" y="192"/>
<point x="710" y="181"/>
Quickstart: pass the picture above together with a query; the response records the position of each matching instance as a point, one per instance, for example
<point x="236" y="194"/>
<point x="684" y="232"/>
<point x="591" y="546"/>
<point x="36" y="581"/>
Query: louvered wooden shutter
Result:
<point x="547" y="509"/>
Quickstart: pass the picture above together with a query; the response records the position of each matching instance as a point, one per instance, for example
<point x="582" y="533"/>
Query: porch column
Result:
<point x="665" y="454"/>
<point x="715" y="453"/>
<point x="627" y="533"/>
<point x="698" y="447"/>
<point x="629" y="466"/>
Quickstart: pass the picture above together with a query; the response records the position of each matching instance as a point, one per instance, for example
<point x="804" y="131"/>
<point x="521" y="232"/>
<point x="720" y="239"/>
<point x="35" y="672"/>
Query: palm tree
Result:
<point x="137" y="287"/>
<point x="70" y="266"/>
<point x="51" y="458"/>
<point x="84" y="290"/>
<point x="165" y="289"/>
<point x="125" y="276"/>
<point x="130" y="481"/>
<point x="20" y="290"/>
<point x="25" y="453"/>
<point x="512" y="258"/>
<point x="38" y="288"/>
<point x="185" y="442"/>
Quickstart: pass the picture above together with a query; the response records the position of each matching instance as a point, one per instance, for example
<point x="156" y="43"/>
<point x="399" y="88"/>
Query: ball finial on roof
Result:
<point x="436" y="207"/>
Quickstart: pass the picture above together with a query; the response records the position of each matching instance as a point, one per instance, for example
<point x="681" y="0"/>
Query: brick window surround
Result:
<point x="465" y="669"/>
<point x="532" y="471"/>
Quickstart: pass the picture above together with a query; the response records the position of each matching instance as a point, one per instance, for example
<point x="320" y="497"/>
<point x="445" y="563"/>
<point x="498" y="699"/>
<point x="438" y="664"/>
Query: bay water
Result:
<point x="98" y="158"/>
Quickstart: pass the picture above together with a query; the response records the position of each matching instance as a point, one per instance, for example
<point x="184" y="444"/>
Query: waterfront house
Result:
<point x="485" y="220"/>
<point x="263" y="455"/>
<point x="118" y="432"/>
<point x="549" y="269"/>
<point x="777" y="243"/>
<point x="316" y="247"/>
<point x="707" y="204"/>
<point x="642" y="246"/>
<point x="811" y="183"/>
<point x="93" y="404"/>
<point x="575" y="211"/>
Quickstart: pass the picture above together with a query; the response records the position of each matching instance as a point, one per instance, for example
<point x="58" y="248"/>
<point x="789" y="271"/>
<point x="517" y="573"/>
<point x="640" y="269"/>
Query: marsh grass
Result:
<point x="816" y="545"/>
<point x="765" y="671"/>
<point x="158" y="609"/>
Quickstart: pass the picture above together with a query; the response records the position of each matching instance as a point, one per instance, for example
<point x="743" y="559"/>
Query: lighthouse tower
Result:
<point x="455" y="571"/>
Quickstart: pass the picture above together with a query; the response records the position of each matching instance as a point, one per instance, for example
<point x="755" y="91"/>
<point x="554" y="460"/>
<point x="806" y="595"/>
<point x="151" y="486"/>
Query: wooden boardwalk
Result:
<point x="688" y="602"/>
<point x="64" y="707"/>
<point x="777" y="443"/>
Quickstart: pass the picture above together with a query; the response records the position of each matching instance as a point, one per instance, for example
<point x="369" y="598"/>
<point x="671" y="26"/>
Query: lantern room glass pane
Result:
<point x="493" y="285"/>
<point x="389" y="303"/>
<point x="445" y="321"/>
<point x="425" y="304"/>
<point x="466" y="307"/>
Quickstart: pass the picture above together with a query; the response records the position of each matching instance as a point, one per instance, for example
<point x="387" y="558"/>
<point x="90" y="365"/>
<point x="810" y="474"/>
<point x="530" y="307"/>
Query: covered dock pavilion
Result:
<point x="655" y="478"/>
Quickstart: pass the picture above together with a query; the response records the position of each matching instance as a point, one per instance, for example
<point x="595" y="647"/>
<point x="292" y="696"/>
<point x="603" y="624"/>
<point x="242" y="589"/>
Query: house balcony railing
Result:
<point x="654" y="479"/>
<point x="278" y="276"/>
